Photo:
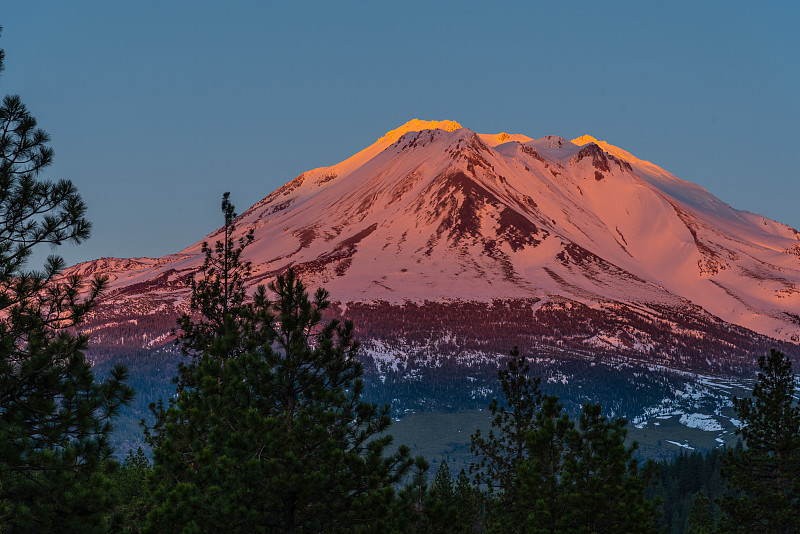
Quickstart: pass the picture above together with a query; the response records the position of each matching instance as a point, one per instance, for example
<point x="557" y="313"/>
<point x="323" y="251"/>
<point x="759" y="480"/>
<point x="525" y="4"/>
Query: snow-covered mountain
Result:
<point x="584" y="240"/>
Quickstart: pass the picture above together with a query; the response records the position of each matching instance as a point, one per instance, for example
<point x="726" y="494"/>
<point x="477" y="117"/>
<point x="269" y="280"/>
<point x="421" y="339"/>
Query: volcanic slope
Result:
<point x="433" y="214"/>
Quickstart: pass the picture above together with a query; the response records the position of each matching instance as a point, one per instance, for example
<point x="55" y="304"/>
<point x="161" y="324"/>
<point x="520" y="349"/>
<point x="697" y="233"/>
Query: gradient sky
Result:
<point x="157" y="108"/>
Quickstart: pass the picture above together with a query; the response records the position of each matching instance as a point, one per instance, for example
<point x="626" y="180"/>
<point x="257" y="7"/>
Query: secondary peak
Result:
<point x="584" y="140"/>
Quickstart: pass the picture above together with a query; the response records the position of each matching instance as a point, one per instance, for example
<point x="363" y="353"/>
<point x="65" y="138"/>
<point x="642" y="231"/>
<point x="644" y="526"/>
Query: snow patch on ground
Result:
<point x="701" y="421"/>
<point x="684" y="445"/>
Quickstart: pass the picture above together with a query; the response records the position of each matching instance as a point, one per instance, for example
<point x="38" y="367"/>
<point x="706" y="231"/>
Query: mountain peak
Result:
<point x="447" y="213"/>
<point x="417" y="125"/>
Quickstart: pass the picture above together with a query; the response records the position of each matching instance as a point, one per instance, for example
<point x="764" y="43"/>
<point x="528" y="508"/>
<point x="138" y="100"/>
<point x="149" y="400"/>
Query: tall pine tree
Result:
<point x="501" y="452"/>
<point x="540" y="482"/>
<point x="765" y="473"/>
<point x="55" y="456"/>
<point x="601" y="479"/>
<point x="267" y="432"/>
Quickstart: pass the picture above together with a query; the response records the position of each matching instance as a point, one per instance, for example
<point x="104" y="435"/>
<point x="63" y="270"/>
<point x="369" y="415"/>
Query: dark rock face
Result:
<point x="598" y="155"/>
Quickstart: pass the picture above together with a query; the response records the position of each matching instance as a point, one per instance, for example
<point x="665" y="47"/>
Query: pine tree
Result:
<point x="701" y="520"/>
<point x="602" y="480"/>
<point x="416" y="503"/>
<point x="267" y="432"/>
<point x="469" y="505"/>
<point x="765" y="473"/>
<point x="55" y="457"/>
<point x="540" y="483"/>
<point x="544" y="474"/>
<point x="440" y="505"/>
<point x="446" y="506"/>
<point x="130" y="486"/>
<point x="501" y="452"/>
<point x="220" y="314"/>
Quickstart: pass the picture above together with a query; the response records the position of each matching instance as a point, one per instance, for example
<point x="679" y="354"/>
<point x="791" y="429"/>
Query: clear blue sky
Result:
<point x="157" y="108"/>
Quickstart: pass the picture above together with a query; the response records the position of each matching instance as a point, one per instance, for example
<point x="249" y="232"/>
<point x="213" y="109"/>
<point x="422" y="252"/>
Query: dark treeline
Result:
<point x="681" y="338"/>
<point x="269" y="428"/>
<point x="685" y="479"/>
<point x="446" y="385"/>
